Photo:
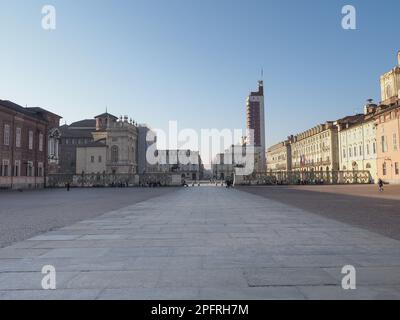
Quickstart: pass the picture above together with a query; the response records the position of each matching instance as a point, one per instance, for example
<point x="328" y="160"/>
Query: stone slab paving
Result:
<point x="203" y="243"/>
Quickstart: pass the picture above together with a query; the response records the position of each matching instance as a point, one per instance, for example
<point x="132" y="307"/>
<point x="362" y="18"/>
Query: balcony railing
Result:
<point x="308" y="177"/>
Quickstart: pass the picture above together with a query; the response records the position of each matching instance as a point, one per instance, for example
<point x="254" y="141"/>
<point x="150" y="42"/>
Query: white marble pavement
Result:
<point x="203" y="243"/>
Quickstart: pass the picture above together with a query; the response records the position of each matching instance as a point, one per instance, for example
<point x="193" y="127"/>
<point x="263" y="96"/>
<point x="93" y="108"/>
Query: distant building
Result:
<point x="279" y="157"/>
<point x="170" y="162"/>
<point x="223" y="167"/>
<point x="29" y="139"/>
<point x="316" y="149"/>
<point x="255" y="111"/>
<point x="92" y="158"/>
<point x="357" y="142"/>
<point x="113" y="149"/>
<point x="240" y="159"/>
<point x="143" y="146"/>
<point x="77" y="134"/>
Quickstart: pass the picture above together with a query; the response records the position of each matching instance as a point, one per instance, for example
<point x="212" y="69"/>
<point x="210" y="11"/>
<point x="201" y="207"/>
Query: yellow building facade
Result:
<point x="390" y="84"/>
<point x="357" y="143"/>
<point x="316" y="149"/>
<point x="279" y="157"/>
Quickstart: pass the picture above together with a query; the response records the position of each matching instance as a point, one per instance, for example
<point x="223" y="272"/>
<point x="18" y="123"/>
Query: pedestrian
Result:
<point x="380" y="184"/>
<point x="68" y="186"/>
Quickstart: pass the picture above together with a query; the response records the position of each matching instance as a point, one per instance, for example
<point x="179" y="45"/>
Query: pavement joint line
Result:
<point x="225" y="261"/>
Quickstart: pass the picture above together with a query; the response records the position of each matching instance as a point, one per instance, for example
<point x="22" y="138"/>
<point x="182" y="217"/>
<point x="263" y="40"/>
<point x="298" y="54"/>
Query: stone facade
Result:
<point x="186" y="163"/>
<point x="387" y="121"/>
<point x="28" y="145"/>
<point x="73" y="136"/>
<point x="390" y="84"/>
<point x="388" y="137"/>
<point x="114" y="147"/>
<point x="357" y="143"/>
<point x="91" y="159"/>
<point x="279" y="157"/>
<point x="316" y="149"/>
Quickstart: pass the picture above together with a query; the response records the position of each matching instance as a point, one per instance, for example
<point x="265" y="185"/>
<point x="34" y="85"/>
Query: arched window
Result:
<point x="114" y="154"/>
<point x="368" y="166"/>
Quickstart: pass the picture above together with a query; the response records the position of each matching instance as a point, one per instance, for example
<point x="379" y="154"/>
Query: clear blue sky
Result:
<point x="195" y="61"/>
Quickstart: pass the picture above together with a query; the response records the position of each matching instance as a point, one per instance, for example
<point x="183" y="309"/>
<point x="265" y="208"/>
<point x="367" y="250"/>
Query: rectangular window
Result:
<point x="361" y="151"/>
<point x="100" y="159"/>
<point x="17" y="168"/>
<point x="6" y="135"/>
<point x="350" y="153"/>
<point x="18" y="137"/>
<point x="368" y="149"/>
<point x="383" y="144"/>
<point x="394" y="142"/>
<point x="29" y="169"/>
<point x="40" y="142"/>
<point x="92" y="159"/>
<point x="355" y="151"/>
<point x="40" y="169"/>
<point x="374" y="147"/>
<point x="30" y="140"/>
<point x="6" y="168"/>
<point x="396" y="168"/>
<point x="344" y="153"/>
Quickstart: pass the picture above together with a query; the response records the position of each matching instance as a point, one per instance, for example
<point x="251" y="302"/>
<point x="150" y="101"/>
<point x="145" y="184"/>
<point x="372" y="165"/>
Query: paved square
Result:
<point x="203" y="243"/>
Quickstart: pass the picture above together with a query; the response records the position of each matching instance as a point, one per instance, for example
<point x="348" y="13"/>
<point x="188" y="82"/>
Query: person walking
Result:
<point x="380" y="184"/>
<point x="68" y="186"/>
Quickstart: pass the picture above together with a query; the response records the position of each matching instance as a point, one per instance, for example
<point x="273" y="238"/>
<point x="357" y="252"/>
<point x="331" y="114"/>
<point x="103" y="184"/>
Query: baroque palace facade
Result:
<point x="362" y="142"/>
<point x="315" y="149"/>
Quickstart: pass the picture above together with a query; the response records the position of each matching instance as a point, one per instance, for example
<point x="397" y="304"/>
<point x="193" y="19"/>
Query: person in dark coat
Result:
<point x="380" y="185"/>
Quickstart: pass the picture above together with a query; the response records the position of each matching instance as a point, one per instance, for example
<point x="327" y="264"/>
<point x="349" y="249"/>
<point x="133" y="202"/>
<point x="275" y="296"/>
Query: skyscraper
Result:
<point x="256" y="122"/>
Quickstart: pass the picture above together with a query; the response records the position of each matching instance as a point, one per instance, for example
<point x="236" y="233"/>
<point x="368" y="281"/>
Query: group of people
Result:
<point x="185" y="184"/>
<point x="151" y="185"/>
<point x="228" y="183"/>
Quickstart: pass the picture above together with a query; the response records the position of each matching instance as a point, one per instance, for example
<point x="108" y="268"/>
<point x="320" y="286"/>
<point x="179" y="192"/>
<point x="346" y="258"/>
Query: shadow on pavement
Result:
<point x="374" y="214"/>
